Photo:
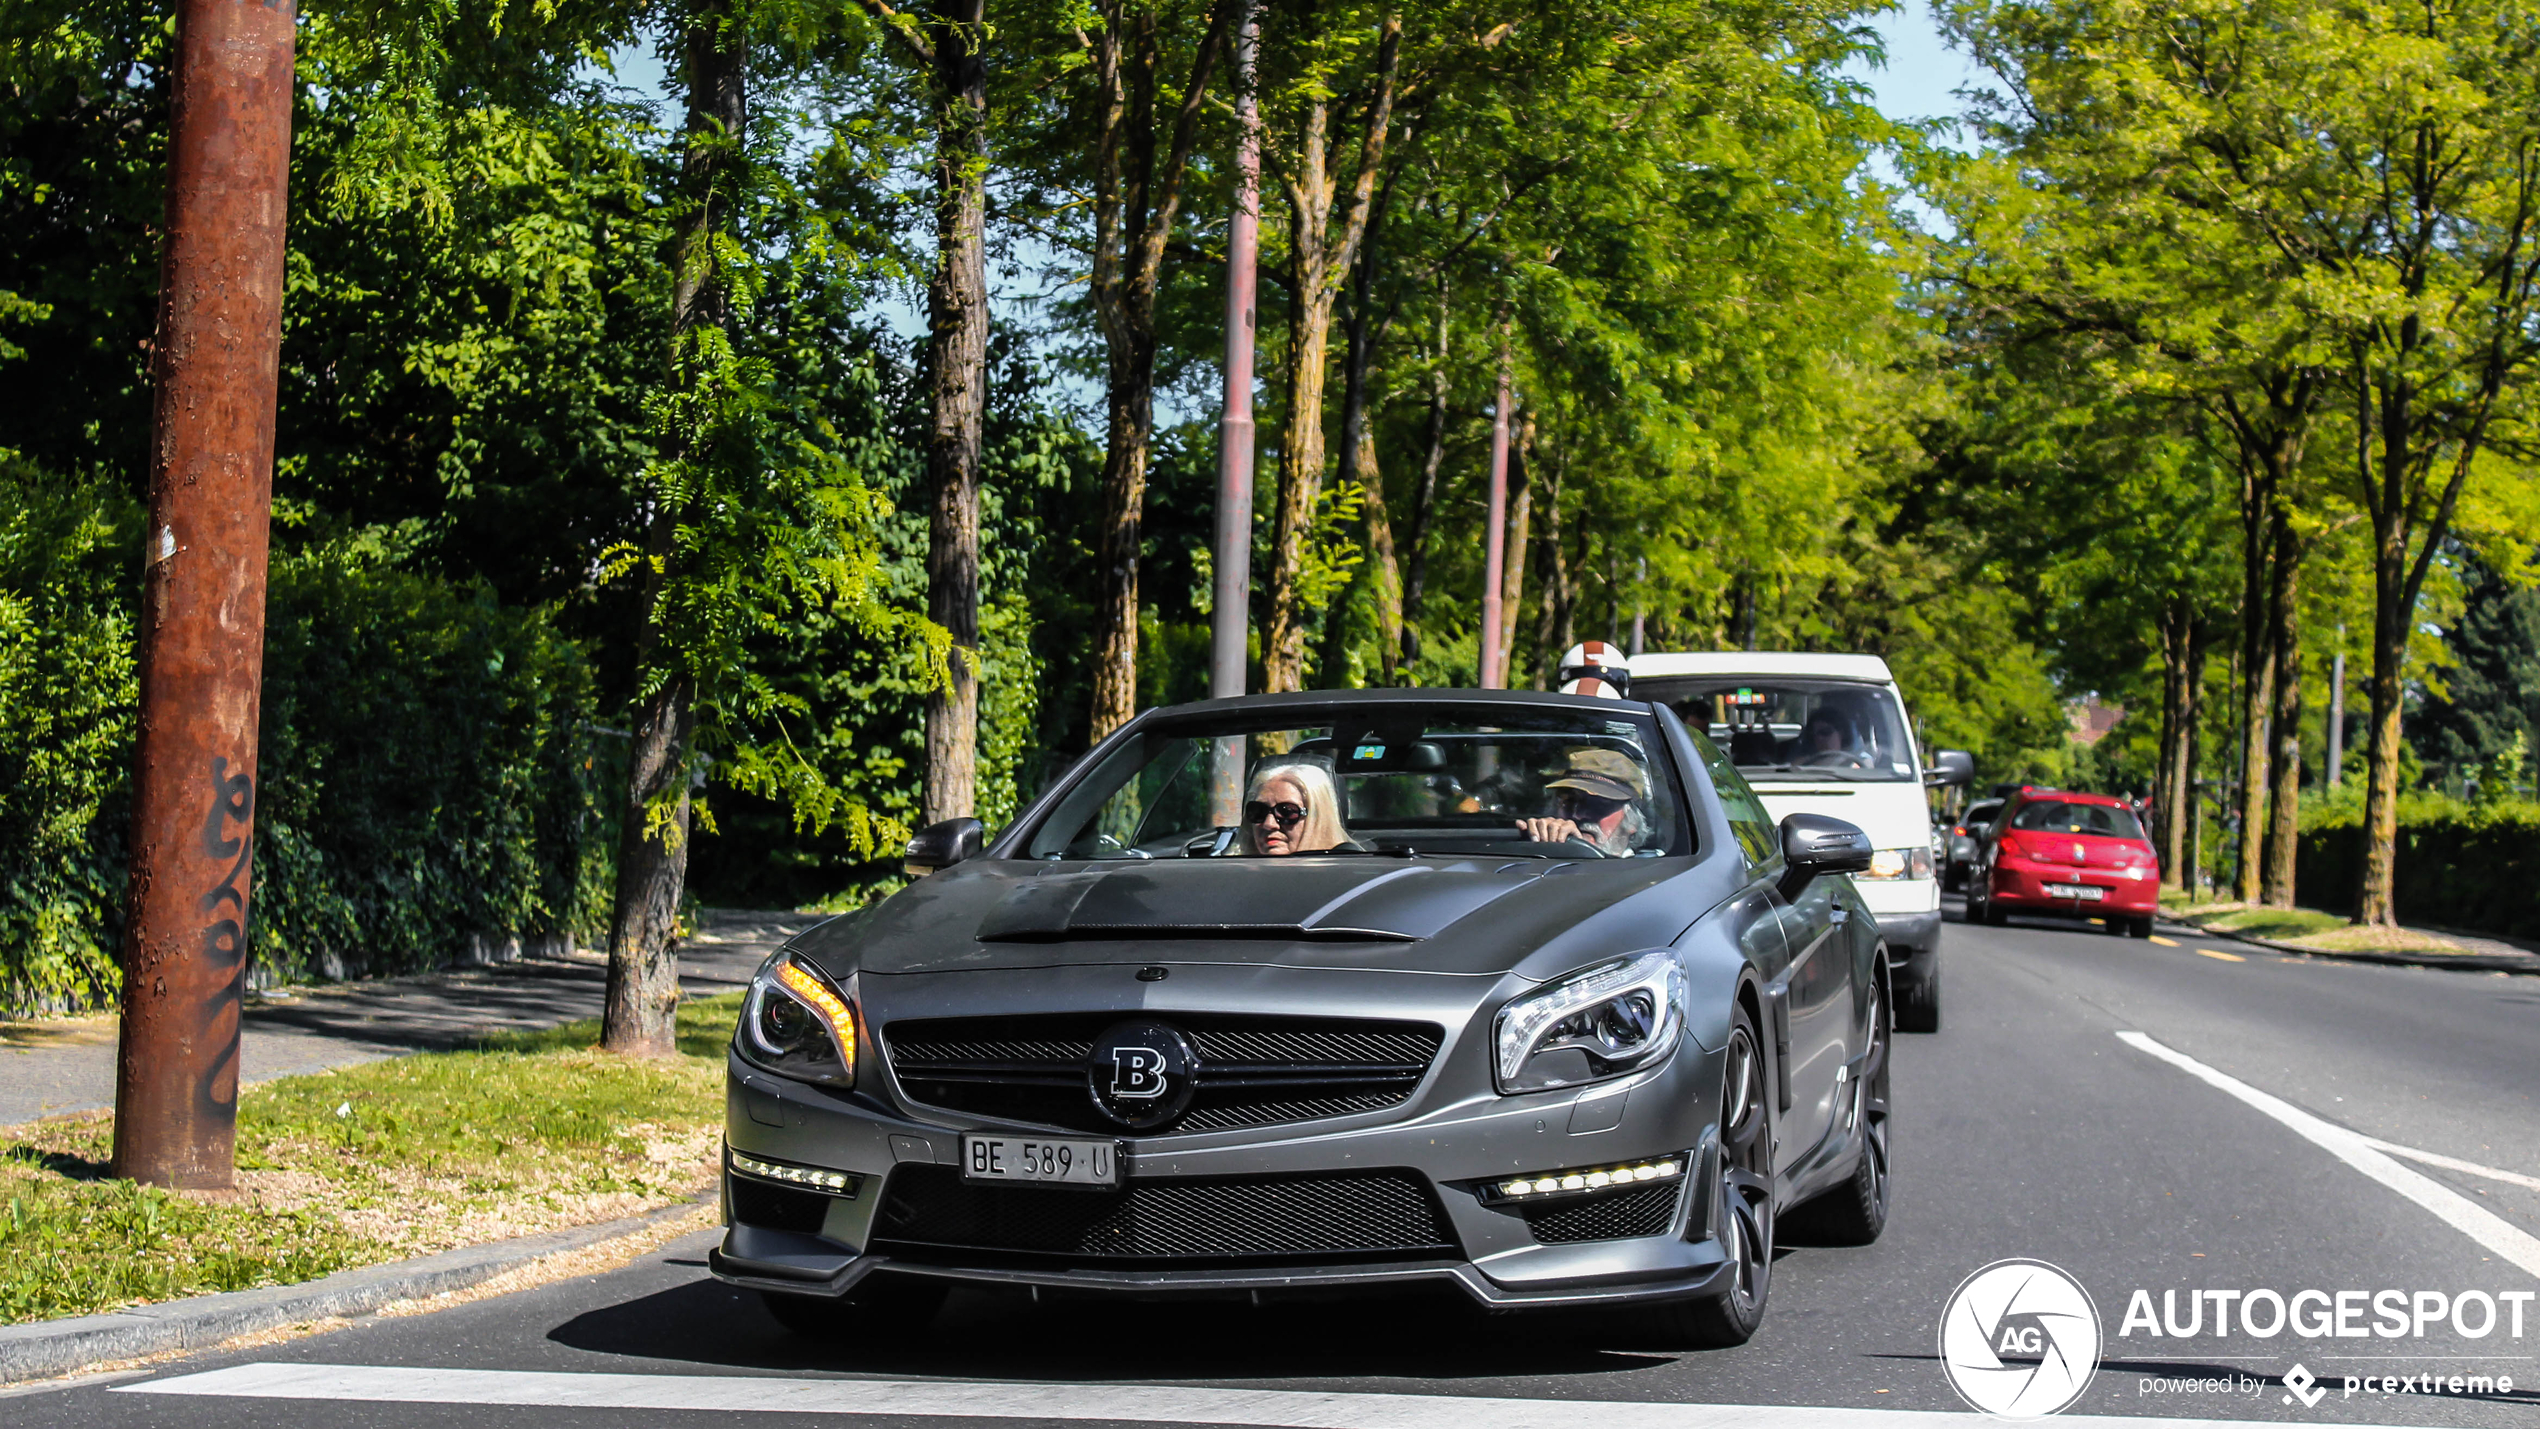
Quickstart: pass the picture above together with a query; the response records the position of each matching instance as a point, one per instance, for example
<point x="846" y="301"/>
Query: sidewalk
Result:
<point x="54" y="1066"/>
<point x="2331" y="937"/>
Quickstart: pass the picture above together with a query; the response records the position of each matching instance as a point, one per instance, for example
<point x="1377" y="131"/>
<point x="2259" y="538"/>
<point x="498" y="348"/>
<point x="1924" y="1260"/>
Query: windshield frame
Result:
<point x="1675" y="688"/>
<point x="1262" y="713"/>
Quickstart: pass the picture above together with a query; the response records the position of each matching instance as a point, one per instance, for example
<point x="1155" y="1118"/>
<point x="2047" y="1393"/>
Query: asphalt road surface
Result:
<point x="2265" y="1128"/>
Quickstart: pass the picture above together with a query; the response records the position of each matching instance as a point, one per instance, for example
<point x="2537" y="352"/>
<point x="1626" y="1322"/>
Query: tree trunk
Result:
<point x="639" y="1013"/>
<point x="639" y="1017"/>
<point x="2284" y="615"/>
<point x="2166" y="823"/>
<point x="1358" y="447"/>
<point x="1424" y="503"/>
<point x="957" y="371"/>
<point x="2257" y="690"/>
<point x="1521" y="499"/>
<point x="1318" y="259"/>
<point x="1135" y="204"/>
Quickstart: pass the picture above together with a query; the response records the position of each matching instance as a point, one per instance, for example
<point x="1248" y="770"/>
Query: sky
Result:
<point x="1921" y="70"/>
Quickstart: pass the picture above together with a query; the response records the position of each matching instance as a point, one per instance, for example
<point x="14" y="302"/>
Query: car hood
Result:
<point x="1438" y="915"/>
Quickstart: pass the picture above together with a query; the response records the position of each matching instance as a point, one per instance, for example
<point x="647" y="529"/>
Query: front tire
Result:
<point x="1918" y="1008"/>
<point x="1730" y="1316"/>
<point x="1855" y="1212"/>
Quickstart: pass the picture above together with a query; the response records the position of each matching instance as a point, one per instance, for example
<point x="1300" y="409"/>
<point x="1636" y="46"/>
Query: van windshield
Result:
<point x="1788" y="729"/>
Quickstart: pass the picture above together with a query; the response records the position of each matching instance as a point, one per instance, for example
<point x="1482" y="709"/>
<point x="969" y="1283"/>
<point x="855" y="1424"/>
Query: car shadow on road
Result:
<point x="997" y="1335"/>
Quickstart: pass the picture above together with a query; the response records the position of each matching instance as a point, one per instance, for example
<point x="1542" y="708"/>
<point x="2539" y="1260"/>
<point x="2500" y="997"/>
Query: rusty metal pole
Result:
<point x="1494" y="670"/>
<point x="203" y="592"/>
<point x="1232" y="598"/>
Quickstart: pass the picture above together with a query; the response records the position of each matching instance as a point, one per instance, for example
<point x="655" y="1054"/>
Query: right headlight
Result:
<point x="1600" y="1022"/>
<point x="797" y="1024"/>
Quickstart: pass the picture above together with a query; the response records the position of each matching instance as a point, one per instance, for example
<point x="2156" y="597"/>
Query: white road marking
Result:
<point x="2450" y="1164"/>
<point x="2508" y="1241"/>
<point x="1119" y="1403"/>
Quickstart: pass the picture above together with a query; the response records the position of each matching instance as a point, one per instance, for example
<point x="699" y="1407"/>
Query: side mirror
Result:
<point x="940" y="846"/>
<point x="1813" y="844"/>
<point x="1951" y="768"/>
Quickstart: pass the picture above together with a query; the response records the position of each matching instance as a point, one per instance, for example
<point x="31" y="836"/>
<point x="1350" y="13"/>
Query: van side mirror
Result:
<point x="1813" y="844"/>
<point x="940" y="846"/>
<point x="1950" y="768"/>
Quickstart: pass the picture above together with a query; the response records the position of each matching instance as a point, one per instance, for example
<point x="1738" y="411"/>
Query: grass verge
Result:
<point x="2308" y="928"/>
<point x="530" y="1132"/>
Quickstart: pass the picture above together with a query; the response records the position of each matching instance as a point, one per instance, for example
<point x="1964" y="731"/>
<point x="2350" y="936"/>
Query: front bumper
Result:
<point x="1452" y="1145"/>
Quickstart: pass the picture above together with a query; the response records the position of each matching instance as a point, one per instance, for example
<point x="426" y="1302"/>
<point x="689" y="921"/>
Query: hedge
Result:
<point x="431" y="781"/>
<point x="2459" y="865"/>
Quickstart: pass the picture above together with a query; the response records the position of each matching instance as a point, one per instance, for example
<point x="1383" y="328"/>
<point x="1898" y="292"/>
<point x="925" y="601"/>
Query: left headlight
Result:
<point x="796" y="1023"/>
<point x="1890" y="863"/>
<point x="1610" y="1019"/>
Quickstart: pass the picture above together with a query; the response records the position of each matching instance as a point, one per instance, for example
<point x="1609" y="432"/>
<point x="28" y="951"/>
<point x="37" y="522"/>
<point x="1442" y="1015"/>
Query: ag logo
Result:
<point x="1141" y="1074"/>
<point x="2019" y="1339"/>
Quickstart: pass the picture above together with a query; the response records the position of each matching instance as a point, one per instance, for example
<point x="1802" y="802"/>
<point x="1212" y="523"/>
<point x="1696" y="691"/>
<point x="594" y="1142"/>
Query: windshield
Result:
<point x="2055" y="816"/>
<point x="1795" y="729"/>
<point x="1390" y="779"/>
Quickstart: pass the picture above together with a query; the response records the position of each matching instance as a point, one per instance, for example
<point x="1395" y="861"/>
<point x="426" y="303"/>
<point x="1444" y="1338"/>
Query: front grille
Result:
<point x="1337" y="1214"/>
<point x="778" y="1208"/>
<point x="1645" y="1210"/>
<point x="1253" y="1071"/>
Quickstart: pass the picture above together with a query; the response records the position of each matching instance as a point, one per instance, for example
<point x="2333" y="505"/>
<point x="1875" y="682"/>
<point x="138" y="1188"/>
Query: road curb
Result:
<point x="53" y="1347"/>
<point x="2454" y="962"/>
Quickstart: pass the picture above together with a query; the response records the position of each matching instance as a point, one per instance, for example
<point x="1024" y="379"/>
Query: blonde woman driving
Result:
<point x="1292" y="808"/>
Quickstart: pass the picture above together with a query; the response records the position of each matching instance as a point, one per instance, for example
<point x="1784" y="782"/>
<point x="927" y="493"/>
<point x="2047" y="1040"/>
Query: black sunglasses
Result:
<point x="1587" y="806"/>
<point x="1288" y="815"/>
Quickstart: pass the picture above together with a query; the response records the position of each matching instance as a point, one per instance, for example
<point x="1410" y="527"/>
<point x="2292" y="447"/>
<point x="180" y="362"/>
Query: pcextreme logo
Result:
<point x="2019" y="1339"/>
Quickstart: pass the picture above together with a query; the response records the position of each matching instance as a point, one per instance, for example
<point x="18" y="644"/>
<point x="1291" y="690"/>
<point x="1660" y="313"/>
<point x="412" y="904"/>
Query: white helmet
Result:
<point x="1593" y="667"/>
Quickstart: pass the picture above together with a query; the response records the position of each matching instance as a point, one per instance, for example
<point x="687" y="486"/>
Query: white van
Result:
<point x="1828" y="734"/>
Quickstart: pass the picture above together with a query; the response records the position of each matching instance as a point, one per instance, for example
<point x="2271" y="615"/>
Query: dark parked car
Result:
<point x="1965" y="836"/>
<point x="1515" y="993"/>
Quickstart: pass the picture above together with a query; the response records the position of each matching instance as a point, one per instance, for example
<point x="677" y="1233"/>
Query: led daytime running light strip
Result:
<point x="1552" y="1183"/>
<point x="831" y="1006"/>
<point x="838" y="1181"/>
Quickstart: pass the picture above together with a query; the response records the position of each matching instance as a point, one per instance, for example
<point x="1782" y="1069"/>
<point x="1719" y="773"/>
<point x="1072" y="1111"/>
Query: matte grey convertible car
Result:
<point x="1517" y="993"/>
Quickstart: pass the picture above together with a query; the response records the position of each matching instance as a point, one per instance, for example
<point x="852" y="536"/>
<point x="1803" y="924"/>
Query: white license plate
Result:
<point x="2082" y="891"/>
<point x="1046" y="1160"/>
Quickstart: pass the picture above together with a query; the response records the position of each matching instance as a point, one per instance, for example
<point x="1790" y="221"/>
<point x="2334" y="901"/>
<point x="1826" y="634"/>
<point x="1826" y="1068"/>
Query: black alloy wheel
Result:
<point x="882" y="1307"/>
<point x="1855" y="1212"/>
<point x="1743" y="1210"/>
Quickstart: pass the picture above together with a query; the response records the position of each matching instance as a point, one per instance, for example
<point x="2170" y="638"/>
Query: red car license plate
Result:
<point x="2082" y="891"/>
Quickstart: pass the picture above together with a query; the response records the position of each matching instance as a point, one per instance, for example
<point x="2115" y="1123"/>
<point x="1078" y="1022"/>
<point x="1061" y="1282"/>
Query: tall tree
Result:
<point x="1325" y="226"/>
<point x="1137" y="198"/>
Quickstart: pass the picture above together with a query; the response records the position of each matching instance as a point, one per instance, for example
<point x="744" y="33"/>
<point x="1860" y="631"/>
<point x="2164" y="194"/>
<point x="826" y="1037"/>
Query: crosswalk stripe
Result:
<point x="1117" y="1403"/>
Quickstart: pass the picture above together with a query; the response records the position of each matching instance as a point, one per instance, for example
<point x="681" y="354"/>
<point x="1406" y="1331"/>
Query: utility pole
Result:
<point x="2337" y="711"/>
<point x="1494" y="672"/>
<point x="202" y="636"/>
<point x="1231" y="604"/>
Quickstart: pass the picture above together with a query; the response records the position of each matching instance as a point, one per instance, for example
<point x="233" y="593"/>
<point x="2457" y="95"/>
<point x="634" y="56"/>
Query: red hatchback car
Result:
<point x="2055" y="854"/>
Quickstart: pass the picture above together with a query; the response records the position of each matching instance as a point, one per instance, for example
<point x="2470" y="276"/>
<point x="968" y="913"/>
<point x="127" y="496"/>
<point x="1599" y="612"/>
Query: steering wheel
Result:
<point x="1835" y="759"/>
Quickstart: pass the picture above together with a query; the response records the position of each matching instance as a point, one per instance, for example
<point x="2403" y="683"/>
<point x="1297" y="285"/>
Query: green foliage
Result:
<point x="67" y="688"/>
<point x="2475" y="867"/>
<point x="430" y="780"/>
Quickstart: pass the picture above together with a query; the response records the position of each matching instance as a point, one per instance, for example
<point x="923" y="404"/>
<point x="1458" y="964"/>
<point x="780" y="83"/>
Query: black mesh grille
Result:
<point x="778" y="1208"/>
<point x="1346" y="1213"/>
<point x="1647" y="1210"/>
<point x="1253" y="1071"/>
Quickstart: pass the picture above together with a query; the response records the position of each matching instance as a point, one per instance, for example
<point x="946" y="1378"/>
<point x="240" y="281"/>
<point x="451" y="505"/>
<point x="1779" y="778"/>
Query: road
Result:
<point x="2026" y="1128"/>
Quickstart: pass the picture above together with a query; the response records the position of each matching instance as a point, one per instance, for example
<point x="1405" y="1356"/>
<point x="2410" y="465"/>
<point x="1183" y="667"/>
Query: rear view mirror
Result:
<point x="940" y="846"/>
<point x="1813" y="844"/>
<point x="1951" y="768"/>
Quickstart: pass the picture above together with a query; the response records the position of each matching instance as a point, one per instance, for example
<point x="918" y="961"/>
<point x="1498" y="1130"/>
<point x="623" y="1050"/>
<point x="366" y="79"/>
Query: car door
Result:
<point x="1764" y="920"/>
<point x="1819" y="926"/>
